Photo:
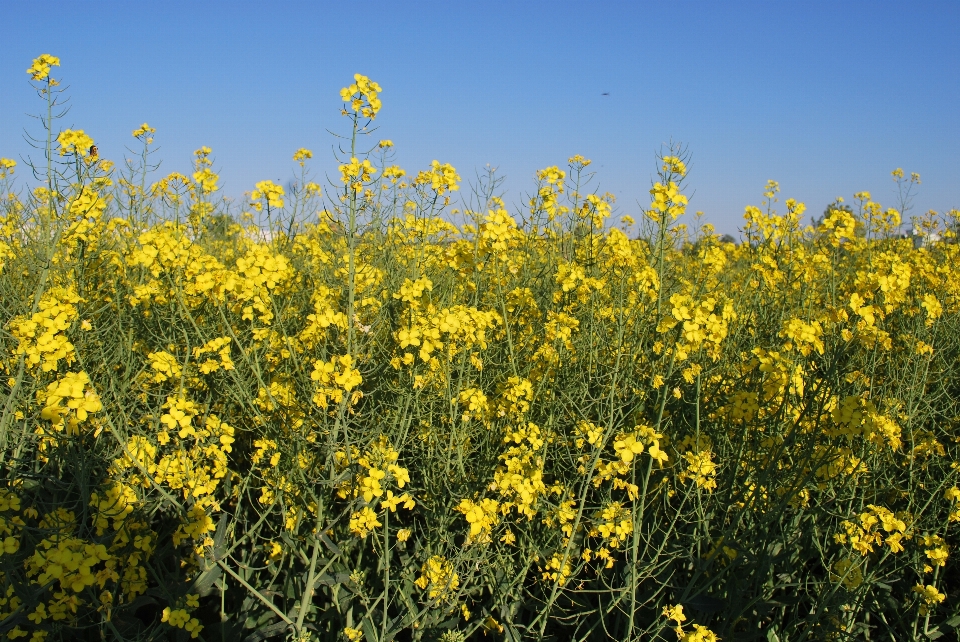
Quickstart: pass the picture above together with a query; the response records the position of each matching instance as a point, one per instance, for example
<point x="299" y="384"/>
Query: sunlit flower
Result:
<point x="40" y="69"/>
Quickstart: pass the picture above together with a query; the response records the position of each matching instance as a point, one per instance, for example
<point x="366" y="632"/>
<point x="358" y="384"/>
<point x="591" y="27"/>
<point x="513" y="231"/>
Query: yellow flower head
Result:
<point x="74" y="142"/>
<point x="206" y="179"/>
<point x="668" y="200"/>
<point x="6" y="167"/>
<point x="674" y="613"/>
<point x="202" y="157"/>
<point x="440" y="178"/>
<point x="438" y="575"/>
<point x="700" y="633"/>
<point x="552" y="176"/>
<point x="673" y="164"/>
<point x="482" y="516"/>
<point x="929" y="594"/>
<point x="40" y="69"/>
<point x="356" y="173"/>
<point x="144" y="130"/>
<point x="394" y="173"/>
<point x="362" y="96"/>
<point x="269" y="191"/>
<point x="302" y="155"/>
<point x="363" y="521"/>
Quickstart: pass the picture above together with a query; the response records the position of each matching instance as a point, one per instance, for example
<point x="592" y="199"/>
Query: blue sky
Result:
<point x="825" y="97"/>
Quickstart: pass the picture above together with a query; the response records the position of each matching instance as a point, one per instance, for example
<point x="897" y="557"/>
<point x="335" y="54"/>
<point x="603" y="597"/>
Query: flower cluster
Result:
<point x="362" y="96"/>
<point x="269" y="192"/>
<point x="75" y="142"/>
<point x="440" y="178"/>
<point x="40" y="68"/>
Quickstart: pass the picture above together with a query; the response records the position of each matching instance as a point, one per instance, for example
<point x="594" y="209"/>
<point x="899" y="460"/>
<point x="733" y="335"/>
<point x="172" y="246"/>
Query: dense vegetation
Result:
<point x="380" y="414"/>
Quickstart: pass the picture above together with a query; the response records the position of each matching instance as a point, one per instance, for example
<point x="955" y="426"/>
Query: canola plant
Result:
<point x="389" y="409"/>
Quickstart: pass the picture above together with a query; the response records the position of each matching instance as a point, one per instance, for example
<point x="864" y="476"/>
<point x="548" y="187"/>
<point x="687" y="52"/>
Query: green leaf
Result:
<point x="267" y="632"/>
<point x="330" y="545"/>
<point x="369" y="633"/>
<point x="205" y="581"/>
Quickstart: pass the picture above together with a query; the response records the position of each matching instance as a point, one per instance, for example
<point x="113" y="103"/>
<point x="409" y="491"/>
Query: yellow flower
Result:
<point x="363" y="96"/>
<point x="614" y="524"/>
<point x="10" y="545"/>
<point x="674" y="613"/>
<point x="39" y="614"/>
<point x="672" y="164"/>
<point x="302" y="155"/>
<point x="482" y="516"/>
<point x="270" y="191"/>
<point x="144" y="130"/>
<point x="667" y="200"/>
<point x="930" y="597"/>
<point x="274" y="551"/>
<point x="6" y="167"/>
<point x="181" y="619"/>
<point x="363" y="521"/>
<point x="356" y="173"/>
<point x="393" y="173"/>
<point x="626" y="446"/>
<point x="490" y="624"/>
<point x="392" y="501"/>
<point x="74" y="142"/>
<point x="206" y="179"/>
<point x="440" y="177"/>
<point x="400" y="475"/>
<point x="893" y="541"/>
<point x="701" y="469"/>
<point x="438" y="578"/>
<point x="933" y="307"/>
<point x="700" y="633"/>
<point x="40" y="69"/>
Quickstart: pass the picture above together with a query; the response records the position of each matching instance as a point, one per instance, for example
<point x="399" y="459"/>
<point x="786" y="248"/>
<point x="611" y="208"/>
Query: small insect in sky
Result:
<point x="93" y="151"/>
<point x="606" y="93"/>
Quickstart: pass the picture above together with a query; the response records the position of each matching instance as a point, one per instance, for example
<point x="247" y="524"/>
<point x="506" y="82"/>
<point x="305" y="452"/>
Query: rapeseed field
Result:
<point x="389" y="408"/>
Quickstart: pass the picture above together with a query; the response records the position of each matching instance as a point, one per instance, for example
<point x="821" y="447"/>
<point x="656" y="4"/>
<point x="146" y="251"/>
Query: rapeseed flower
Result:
<point x="40" y="69"/>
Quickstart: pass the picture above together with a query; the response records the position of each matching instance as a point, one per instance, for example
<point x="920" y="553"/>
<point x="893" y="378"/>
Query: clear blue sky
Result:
<point x="825" y="97"/>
